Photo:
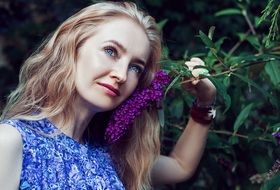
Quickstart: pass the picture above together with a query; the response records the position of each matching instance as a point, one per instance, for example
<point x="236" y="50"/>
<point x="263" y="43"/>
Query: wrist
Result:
<point x="203" y="112"/>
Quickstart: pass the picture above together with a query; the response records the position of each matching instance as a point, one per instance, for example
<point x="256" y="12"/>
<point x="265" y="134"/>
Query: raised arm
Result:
<point x="185" y="156"/>
<point x="10" y="157"/>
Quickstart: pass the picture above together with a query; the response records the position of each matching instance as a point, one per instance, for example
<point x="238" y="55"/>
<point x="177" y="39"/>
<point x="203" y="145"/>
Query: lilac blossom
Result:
<point x="122" y="118"/>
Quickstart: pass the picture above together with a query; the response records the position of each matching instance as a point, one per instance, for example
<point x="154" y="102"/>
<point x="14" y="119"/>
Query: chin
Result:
<point x="102" y="106"/>
<point x="100" y="102"/>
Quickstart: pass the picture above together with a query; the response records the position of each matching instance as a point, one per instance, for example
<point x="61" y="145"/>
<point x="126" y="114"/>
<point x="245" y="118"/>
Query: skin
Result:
<point x="183" y="160"/>
<point x="112" y="58"/>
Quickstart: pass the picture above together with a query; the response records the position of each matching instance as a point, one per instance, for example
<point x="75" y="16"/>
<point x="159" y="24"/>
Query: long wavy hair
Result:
<point x="46" y="86"/>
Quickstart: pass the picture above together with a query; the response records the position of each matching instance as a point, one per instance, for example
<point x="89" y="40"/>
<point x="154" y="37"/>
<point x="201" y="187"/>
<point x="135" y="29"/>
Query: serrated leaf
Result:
<point x="230" y="11"/>
<point x="222" y="91"/>
<point x="206" y="40"/>
<point x="273" y="70"/>
<point x="243" y="115"/>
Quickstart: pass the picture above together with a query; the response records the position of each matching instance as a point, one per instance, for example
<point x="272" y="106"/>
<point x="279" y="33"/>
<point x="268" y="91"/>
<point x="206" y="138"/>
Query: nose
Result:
<point x="119" y="72"/>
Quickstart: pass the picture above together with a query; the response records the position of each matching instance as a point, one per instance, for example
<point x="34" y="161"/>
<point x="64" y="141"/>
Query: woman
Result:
<point x="53" y="128"/>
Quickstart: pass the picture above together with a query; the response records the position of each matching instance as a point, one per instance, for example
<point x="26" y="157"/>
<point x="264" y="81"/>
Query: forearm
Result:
<point x="190" y="146"/>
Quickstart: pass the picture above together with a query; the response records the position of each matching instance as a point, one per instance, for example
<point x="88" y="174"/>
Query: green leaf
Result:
<point x="273" y="69"/>
<point x="261" y="162"/>
<point x="226" y="81"/>
<point x="230" y="11"/>
<point x="176" y="108"/>
<point x="206" y="40"/>
<point x="165" y="53"/>
<point x="172" y="83"/>
<point x="219" y="42"/>
<point x="233" y="140"/>
<point x="243" y="115"/>
<point x="252" y="58"/>
<point x="272" y="184"/>
<point x="275" y="127"/>
<point x="242" y="36"/>
<point x="247" y="80"/>
<point x="214" y="141"/>
<point x="161" y="117"/>
<point x="211" y="32"/>
<point x="254" y="41"/>
<point x="222" y="91"/>
<point x="266" y="95"/>
<point x="161" y="24"/>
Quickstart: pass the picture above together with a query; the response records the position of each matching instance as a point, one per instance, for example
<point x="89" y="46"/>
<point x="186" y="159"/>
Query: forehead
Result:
<point x="128" y="33"/>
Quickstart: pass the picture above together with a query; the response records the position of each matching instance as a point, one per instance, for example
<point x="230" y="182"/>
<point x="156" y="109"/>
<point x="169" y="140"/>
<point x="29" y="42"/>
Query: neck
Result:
<point x="76" y="126"/>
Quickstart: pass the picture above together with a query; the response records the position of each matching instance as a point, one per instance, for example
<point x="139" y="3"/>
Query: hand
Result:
<point x="202" y="89"/>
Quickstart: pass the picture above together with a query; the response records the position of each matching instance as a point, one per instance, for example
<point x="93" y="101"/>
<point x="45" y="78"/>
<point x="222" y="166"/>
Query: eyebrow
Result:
<point x="123" y="49"/>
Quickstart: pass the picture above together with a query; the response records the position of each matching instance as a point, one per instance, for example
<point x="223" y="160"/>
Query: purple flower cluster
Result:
<point x="123" y="117"/>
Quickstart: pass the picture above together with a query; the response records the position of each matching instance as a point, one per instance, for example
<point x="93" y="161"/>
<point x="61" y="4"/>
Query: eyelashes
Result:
<point x="136" y="68"/>
<point x="111" y="51"/>
<point x="114" y="54"/>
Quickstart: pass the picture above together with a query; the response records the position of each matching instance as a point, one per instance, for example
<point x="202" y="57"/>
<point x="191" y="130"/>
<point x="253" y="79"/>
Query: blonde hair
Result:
<point x="49" y="73"/>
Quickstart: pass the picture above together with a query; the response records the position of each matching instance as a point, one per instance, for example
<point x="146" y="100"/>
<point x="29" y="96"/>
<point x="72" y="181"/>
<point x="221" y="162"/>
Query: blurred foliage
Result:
<point x="239" y="41"/>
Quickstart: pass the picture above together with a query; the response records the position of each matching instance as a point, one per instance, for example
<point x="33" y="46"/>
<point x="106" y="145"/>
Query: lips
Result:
<point x="110" y="87"/>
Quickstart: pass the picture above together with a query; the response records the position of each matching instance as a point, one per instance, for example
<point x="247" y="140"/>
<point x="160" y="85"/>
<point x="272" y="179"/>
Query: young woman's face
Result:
<point x="110" y="64"/>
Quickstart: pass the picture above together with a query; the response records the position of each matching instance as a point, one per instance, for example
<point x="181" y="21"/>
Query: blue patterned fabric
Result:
<point x="52" y="160"/>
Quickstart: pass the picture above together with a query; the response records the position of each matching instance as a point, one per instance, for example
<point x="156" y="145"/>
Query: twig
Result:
<point x="238" y="135"/>
<point x="231" y="69"/>
<point x="225" y="133"/>
<point x="249" y="22"/>
<point x="244" y="12"/>
<point x="234" y="48"/>
<point x="218" y="58"/>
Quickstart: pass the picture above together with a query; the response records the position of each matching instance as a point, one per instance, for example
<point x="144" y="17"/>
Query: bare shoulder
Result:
<point x="10" y="157"/>
<point x="9" y="136"/>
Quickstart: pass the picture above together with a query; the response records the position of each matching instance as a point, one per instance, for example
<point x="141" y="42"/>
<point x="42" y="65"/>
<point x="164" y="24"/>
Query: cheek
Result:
<point x="91" y="68"/>
<point x="132" y="83"/>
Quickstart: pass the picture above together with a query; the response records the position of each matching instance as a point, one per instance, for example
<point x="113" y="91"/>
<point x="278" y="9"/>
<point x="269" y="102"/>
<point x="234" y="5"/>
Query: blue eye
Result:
<point x="136" y="68"/>
<point x="111" y="51"/>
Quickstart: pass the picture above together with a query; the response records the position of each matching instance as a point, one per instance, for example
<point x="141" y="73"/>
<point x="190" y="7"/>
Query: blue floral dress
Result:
<point x="52" y="160"/>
